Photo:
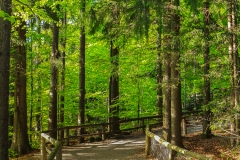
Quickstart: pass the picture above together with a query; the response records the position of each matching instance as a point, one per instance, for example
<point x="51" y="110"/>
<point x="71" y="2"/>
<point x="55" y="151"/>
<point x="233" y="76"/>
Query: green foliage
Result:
<point x="12" y="153"/>
<point x="132" y="26"/>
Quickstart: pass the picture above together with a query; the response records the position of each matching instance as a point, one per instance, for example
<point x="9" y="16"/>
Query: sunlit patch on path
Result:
<point x="126" y="148"/>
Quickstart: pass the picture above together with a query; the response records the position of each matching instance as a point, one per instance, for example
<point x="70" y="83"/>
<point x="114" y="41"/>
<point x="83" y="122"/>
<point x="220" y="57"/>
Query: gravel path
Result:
<point x="128" y="148"/>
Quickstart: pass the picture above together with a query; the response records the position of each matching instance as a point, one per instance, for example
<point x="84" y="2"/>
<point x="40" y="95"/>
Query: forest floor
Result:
<point x="132" y="147"/>
<point x="218" y="146"/>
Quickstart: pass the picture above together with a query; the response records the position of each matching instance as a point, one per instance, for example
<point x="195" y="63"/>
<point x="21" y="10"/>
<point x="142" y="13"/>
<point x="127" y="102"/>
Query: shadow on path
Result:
<point x="123" y="149"/>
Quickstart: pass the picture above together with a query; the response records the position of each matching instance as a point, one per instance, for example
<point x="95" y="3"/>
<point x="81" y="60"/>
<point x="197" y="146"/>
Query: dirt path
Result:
<point x="122" y="149"/>
<point x="127" y="148"/>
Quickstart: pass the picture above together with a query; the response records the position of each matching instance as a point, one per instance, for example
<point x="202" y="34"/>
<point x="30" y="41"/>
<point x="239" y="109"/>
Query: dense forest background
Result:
<point x="92" y="61"/>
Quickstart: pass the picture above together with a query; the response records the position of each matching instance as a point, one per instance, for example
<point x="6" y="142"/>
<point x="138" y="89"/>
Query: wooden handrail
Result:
<point x="110" y="123"/>
<point x="150" y="135"/>
<point x="103" y="125"/>
<point x="100" y="124"/>
<point x="57" y="150"/>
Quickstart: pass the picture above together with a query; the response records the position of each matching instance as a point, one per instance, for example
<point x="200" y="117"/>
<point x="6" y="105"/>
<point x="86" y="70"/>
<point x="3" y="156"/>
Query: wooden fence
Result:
<point x="185" y="152"/>
<point x="55" y="152"/>
<point x="103" y="132"/>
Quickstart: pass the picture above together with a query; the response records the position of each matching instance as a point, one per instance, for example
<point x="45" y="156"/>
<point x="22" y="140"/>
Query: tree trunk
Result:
<point x="52" y="122"/>
<point x="38" y="88"/>
<point x="207" y="95"/>
<point x="114" y="88"/>
<point x="5" y="30"/>
<point x="234" y="66"/>
<point x="82" y="91"/>
<point x="159" y="73"/>
<point x="167" y="73"/>
<point x="20" y="142"/>
<point x="63" y="77"/>
<point x="176" y="107"/>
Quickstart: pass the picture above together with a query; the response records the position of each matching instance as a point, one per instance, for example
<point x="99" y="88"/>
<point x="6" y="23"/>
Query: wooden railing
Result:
<point x="55" y="152"/>
<point x="103" y="132"/>
<point x="182" y="151"/>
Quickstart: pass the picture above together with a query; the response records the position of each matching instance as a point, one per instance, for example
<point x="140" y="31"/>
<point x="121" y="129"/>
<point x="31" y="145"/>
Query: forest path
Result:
<point x="127" y="148"/>
<point x="130" y="147"/>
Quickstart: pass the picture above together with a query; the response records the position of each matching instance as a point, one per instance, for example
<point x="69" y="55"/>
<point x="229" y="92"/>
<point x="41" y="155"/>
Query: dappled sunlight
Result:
<point x="86" y="154"/>
<point x="134" y="144"/>
<point x="123" y="148"/>
<point x="85" y="147"/>
<point x="139" y="142"/>
<point x="120" y="142"/>
<point x="72" y="149"/>
<point x="103" y="146"/>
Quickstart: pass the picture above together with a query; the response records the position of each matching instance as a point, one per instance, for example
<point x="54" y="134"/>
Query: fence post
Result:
<point x="59" y="153"/>
<point x="103" y="132"/>
<point x="184" y="128"/>
<point x="43" y="149"/>
<point x="143" y="126"/>
<point x="148" y="142"/>
<point x="67" y="136"/>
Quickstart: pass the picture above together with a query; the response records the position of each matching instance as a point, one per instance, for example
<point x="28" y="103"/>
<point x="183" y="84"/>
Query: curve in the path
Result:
<point x="123" y="149"/>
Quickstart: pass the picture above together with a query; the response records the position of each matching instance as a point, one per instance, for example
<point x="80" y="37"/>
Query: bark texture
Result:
<point x="176" y="107"/>
<point x="5" y="29"/>
<point x="167" y="72"/>
<point x="62" y="97"/>
<point x="82" y="91"/>
<point x="52" y="122"/>
<point x="20" y="142"/>
<point x="207" y="95"/>
<point x="114" y="88"/>
<point x="234" y="66"/>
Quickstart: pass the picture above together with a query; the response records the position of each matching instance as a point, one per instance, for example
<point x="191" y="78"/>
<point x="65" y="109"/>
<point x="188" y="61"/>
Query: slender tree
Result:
<point x="5" y="29"/>
<point x="167" y="71"/>
<point x="114" y="87"/>
<point x="62" y="98"/>
<point x="159" y="61"/>
<point x="114" y="77"/>
<point x="52" y="122"/>
<point x="20" y="141"/>
<point x="176" y="107"/>
<point x="82" y="91"/>
<point x="38" y="88"/>
<point x="207" y="95"/>
<point x="234" y="65"/>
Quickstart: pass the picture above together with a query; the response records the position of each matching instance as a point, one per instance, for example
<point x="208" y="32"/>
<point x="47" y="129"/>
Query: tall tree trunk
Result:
<point x="207" y="96"/>
<point x="176" y="107"/>
<point x="114" y="88"/>
<point x="20" y="141"/>
<point x="63" y="76"/>
<point x="38" y="88"/>
<point x="159" y="73"/>
<point x="52" y="122"/>
<point x="82" y="91"/>
<point x="5" y="30"/>
<point x="234" y="65"/>
<point x="38" y="109"/>
<point x="167" y="72"/>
